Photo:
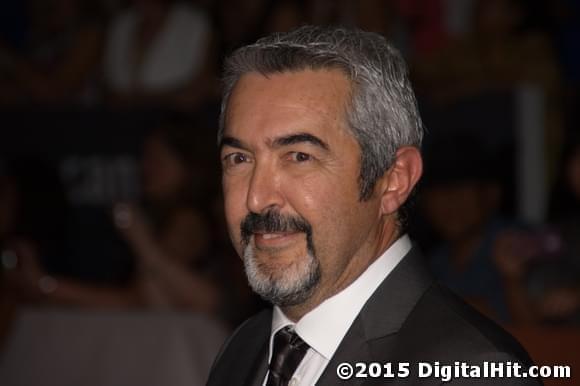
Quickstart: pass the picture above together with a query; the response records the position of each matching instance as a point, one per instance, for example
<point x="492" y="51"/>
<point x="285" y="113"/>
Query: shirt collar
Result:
<point x="324" y="327"/>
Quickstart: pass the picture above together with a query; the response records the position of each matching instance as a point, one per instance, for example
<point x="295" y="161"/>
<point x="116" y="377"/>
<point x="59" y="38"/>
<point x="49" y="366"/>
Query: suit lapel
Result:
<point x="254" y="359"/>
<point x="243" y="359"/>
<point x="352" y="349"/>
<point x="258" y="368"/>
<point x="372" y="336"/>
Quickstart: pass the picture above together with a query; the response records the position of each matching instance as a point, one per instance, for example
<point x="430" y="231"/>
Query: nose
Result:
<point x="265" y="192"/>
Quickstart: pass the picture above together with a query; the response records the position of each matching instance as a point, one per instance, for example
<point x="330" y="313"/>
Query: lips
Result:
<point x="274" y="239"/>
<point x="269" y="236"/>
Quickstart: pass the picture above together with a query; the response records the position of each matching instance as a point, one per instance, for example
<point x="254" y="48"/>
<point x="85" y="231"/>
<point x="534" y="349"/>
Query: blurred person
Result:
<point x="541" y="273"/>
<point x="556" y="277"/>
<point x="33" y="212"/>
<point x="502" y="54"/>
<point x="425" y="21"/>
<point x="517" y="274"/>
<point x="498" y="54"/>
<point x="59" y="62"/>
<point x="461" y="198"/>
<point x="169" y="236"/>
<point x="159" y="53"/>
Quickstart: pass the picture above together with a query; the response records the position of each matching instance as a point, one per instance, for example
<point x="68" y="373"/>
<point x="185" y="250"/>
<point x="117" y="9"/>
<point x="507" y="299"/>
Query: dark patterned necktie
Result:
<point x="287" y="354"/>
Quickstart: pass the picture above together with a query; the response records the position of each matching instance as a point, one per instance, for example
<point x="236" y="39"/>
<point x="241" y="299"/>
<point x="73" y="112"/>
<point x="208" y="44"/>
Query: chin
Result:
<point x="282" y="284"/>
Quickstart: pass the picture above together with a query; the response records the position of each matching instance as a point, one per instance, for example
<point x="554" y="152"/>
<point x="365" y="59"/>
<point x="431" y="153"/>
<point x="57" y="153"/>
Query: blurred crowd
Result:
<point x="165" y="55"/>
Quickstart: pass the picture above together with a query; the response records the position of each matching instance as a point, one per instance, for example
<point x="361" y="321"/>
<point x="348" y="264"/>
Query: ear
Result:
<point x="398" y="182"/>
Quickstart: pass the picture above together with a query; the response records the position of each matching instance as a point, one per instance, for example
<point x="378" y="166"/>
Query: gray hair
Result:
<point x="382" y="113"/>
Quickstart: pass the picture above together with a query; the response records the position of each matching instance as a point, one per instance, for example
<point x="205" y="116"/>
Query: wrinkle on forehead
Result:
<point x="300" y="97"/>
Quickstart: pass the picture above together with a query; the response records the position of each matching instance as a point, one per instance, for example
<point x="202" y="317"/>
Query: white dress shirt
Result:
<point x="324" y="327"/>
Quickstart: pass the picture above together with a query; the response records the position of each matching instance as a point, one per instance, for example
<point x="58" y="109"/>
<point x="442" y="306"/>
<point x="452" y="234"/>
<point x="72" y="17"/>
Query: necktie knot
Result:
<point x="288" y="351"/>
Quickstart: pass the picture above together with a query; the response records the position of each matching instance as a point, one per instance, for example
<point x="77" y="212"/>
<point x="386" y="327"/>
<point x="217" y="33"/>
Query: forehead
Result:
<point x="280" y="103"/>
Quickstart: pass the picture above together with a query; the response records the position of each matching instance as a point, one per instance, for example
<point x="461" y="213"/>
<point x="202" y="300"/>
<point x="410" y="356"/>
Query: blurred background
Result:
<point x="116" y="268"/>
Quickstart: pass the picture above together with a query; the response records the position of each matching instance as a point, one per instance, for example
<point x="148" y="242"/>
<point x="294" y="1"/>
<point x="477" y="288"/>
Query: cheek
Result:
<point x="322" y="201"/>
<point x="333" y="187"/>
<point x="306" y="199"/>
<point x="314" y="196"/>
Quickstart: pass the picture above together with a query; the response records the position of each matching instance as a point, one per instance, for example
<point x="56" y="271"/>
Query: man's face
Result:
<point x="290" y="180"/>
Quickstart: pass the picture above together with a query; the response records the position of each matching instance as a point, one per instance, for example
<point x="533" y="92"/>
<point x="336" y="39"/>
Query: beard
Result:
<point x="283" y="286"/>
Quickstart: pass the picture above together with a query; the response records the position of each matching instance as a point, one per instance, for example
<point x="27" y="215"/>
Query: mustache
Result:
<point x="272" y="222"/>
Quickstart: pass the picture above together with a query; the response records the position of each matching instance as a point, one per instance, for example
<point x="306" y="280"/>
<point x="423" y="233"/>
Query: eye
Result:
<point x="234" y="159"/>
<point x="298" y="156"/>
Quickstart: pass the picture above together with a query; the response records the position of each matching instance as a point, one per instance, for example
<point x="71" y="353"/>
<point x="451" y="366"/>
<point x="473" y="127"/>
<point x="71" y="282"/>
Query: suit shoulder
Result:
<point x="251" y="329"/>
<point x="248" y="337"/>
<point x="448" y="326"/>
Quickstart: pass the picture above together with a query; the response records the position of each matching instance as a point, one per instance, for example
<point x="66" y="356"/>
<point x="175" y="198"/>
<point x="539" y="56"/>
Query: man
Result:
<point x="319" y="138"/>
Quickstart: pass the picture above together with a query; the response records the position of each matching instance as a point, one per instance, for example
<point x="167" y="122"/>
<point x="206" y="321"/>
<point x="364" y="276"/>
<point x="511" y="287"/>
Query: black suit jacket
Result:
<point x="410" y="318"/>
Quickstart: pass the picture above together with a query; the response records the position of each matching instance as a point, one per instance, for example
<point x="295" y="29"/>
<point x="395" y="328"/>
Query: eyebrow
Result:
<point x="299" y="138"/>
<point x="232" y="142"/>
<point x="278" y="142"/>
